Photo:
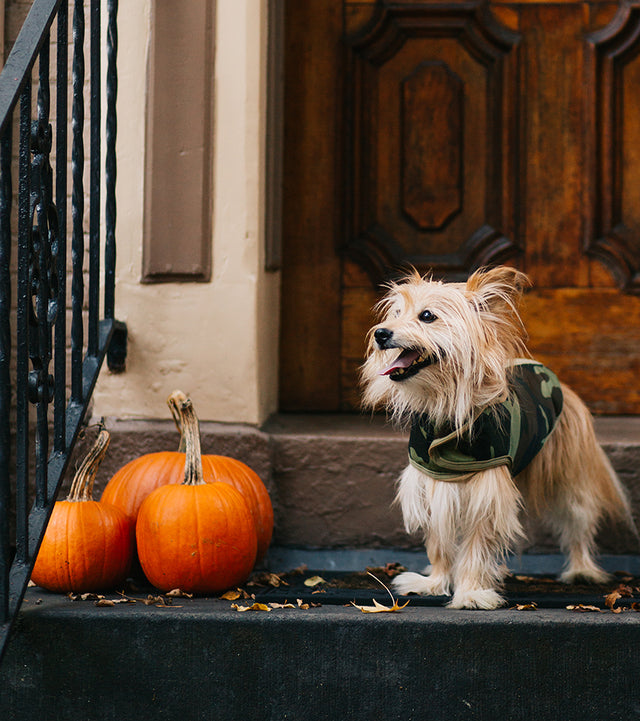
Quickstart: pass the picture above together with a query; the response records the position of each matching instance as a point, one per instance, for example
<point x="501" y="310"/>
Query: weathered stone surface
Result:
<point x="332" y="477"/>
<point x="200" y="659"/>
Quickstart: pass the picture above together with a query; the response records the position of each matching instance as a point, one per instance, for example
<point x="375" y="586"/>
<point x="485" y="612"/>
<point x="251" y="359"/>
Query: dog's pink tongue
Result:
<point x="404" y="360"/>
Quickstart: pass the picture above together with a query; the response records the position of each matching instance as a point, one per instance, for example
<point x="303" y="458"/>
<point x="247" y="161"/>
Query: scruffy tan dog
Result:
<point x="491" y="431"/>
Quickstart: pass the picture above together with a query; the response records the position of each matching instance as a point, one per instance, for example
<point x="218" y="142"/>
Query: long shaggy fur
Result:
<point x="473" y="334"/>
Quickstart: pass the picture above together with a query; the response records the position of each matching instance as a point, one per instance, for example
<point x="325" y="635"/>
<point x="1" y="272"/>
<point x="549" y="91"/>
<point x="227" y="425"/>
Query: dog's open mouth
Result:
<point x="407" y="364"/>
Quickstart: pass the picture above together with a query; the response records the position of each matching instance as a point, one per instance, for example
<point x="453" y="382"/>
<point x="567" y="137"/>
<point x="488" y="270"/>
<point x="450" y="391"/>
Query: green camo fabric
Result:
<point x="508" y="433"/>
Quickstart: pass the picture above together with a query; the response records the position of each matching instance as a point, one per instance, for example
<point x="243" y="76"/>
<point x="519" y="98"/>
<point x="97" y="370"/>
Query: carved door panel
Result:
<point x="448" y="136"/>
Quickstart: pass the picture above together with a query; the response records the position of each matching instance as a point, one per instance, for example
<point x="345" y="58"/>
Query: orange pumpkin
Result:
<point x="88" y="545"/>
<point x="196" y="536"/>
<point x="137" y="479"/>
<point x="132" y="483"/>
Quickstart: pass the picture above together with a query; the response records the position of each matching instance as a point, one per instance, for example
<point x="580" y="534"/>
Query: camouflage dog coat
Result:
<point x="508" y="433"/>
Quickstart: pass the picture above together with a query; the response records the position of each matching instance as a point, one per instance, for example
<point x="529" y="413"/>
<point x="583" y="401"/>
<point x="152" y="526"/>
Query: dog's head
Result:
<point x="444" y="348"/>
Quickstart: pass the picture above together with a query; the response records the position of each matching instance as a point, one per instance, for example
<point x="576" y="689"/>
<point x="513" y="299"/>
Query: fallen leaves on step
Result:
<point x="234" y="594"/>
<point x="178" y="593"/>
<point x="610" y="601"/>
<point x="583" y="608"/>
<point x="254" y="607"/>
<point x="379" y="607"/>
<point x="274" y="580"/>
<point x="314" y="581"/>
<point x="532" y="606"/>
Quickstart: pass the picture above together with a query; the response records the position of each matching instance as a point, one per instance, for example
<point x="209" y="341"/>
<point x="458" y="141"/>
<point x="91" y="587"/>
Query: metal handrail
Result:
<point x="35" y="374"/>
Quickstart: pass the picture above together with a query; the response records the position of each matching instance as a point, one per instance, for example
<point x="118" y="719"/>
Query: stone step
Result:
<point x="201" y="659"/>
<point x="332" y="477"/>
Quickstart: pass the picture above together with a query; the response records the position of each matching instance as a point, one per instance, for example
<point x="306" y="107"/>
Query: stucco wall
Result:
<point x="216" y="341"/>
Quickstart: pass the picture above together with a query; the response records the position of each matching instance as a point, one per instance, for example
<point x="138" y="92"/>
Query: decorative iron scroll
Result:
<point x="43" y="266"/>
<point x="39" y="341"/>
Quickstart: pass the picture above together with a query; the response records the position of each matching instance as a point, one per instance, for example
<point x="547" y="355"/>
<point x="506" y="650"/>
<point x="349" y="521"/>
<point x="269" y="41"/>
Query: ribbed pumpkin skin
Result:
<point x="88" y="546"/>
<point x="137" y="479"/>
<point x="199" y="538"/>
<point x="132" y="483"/>
<point x="248" y="482"/>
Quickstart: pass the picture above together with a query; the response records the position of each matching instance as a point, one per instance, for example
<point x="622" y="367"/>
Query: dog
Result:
<point x="492" y="432"/>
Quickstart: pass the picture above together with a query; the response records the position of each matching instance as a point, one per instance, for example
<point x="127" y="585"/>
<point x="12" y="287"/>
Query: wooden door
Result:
<point x="448" y="136"/>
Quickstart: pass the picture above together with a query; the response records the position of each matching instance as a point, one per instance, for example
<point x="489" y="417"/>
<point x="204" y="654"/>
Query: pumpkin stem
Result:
<point x="82" y="484"/>
<point x="187" y="421"/>
<point x="173" y="401"/>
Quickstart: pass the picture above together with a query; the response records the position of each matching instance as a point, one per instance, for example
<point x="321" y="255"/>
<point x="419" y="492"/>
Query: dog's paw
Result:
<point x="485" y="599"/>
<point x="585" y="575"/>
<point x="409" y="582"/>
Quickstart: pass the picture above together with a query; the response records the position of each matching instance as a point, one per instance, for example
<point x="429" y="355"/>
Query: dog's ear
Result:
<point x="498" y="288"/>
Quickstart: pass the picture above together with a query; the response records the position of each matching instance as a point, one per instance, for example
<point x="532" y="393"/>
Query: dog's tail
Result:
<point x="617" y="504"/>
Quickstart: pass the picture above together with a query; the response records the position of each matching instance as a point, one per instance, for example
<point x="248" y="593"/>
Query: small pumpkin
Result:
<point x="130" y="485"/>
<point x="196" y="536"/>
<point x="88" y="545"/>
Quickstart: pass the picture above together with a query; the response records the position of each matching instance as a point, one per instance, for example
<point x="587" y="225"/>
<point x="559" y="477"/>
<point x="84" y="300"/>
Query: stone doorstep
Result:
<point x="332" y="477"/>
<point x="200" y="659"/>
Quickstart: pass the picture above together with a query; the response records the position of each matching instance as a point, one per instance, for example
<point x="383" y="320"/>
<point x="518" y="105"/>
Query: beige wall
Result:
<point x="216" y="341"/>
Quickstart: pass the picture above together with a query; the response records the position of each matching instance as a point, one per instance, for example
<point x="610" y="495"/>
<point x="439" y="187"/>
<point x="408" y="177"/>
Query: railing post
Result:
<point x="5" y="364"/>
<point x="39" y="353"/>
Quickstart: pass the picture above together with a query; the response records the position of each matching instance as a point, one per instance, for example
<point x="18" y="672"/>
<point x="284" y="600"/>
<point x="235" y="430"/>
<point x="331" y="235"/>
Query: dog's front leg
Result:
<point x="432" y="508"/>
<point x="490" y="526"/>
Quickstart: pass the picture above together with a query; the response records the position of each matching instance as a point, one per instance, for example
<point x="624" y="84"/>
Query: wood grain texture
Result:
<point x="547" y="145"/>
<point x="613" y="148"/>
<point x="432" y="124"/>
<point x="430" y="128"/>
<point x="553" y="144"/>
<point x="310" y="321"/>
<point x="591" y="339"/>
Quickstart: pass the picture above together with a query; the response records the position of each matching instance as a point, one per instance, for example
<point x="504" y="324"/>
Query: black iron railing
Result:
<point x="42" y="403"/>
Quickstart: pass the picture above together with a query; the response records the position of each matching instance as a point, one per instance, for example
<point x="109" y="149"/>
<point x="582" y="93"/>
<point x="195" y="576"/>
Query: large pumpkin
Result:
<point x="137" y="479"/>
<point x="196" y="536"/>
<point x="88" y="545"/>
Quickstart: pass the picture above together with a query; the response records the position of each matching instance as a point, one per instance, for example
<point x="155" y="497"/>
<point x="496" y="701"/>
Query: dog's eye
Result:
<point x="427" y="316"/>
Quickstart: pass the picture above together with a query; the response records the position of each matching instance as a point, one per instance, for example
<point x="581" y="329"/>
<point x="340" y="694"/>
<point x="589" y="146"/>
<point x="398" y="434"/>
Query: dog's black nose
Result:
<point x="382" y="336"/>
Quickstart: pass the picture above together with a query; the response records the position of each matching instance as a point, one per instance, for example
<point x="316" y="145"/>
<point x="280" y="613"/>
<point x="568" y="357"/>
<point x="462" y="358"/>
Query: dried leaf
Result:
<point x="31" y="584"/>
<point x="635" y="606"/>
<point x="232" y="595"/>
<point x="314" y="581"/>
<point x="305" y="606"/>
<point x="178" y="593"/>
<point x="158" y="601"/>
<point x="286" y="604"/>
<point x="532" y="606"/>
<point x="255" y="607"/>
<point x="114" y="601"/>
<point x="610" y="600"/>
<point x="84" y="596"/>
<point x="583" y="608"/>
<point x="378" y="607"/>
<point x="532" y="579"/>
<point x="391" y="569"/>
<point x="267" y="579"/>
<point x="625" y="591"/>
